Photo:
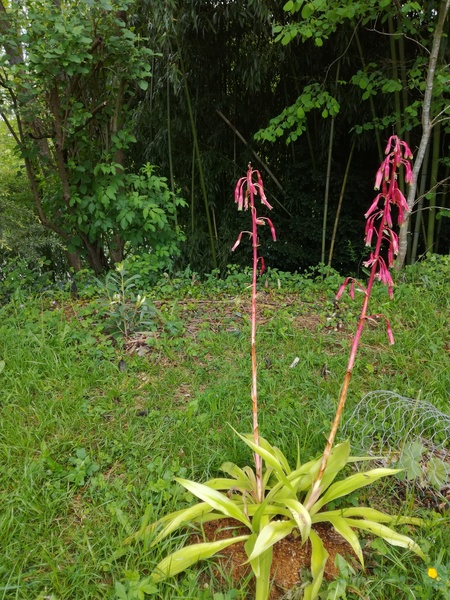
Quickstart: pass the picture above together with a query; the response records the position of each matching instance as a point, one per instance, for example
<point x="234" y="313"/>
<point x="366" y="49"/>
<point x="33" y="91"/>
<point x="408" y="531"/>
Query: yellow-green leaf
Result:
<point x="233" y="470"/>
<point x="270" y="535"/>
<point x="270" y="459"/>
<point x="301" y="517"/>
<point x="263" y="579"/>
<point x="388" y="534"/>
<point x="337" y="461"/>
<point x="350" y="484"/>
<point x="319" y="557"/>
<point x="216" y="499"/>
<point x="146" y="530"/>
<point x="187" y="515"/>
<point x="182" y="559"/>
<point x="344" y="529"/>
<point x="223" y="483"/>
<point x="367" y="513"/>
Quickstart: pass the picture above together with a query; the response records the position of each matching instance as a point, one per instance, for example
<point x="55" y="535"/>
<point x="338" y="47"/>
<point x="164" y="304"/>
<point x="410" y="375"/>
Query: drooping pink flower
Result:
<point x="399" y="200"/>
<point x="384" y="276"/>
<point x="374" y="205"/>
<point x="388" y="325"/>
<point x="352" y="282"/>
<point x="263" y="221"/>
<point x="238" y="241"/>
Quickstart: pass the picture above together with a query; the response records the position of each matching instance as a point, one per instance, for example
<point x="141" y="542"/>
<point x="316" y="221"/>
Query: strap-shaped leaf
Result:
<point x="186" y="557"/>
<point x="319" y="557"/>
<point x="367" y="513"/>
<point x="270" y="459"/>
<point x="223" y="483"/>
<point x="263" y="579"/>
<point x="187" y="515"/>
<point x="250" y="473"/>
<point x="268" y="509"/>
<point x="282" y="459"/>
<point x="337" y="461"/>
<point x="149" y="529"/>
<point x="301" y="517"/>
<point x="216" y="499"/>
<point x="270" y="535"/>
<point x="388" y="534"/>
<point x="350" y="484"/>
<point x="231" y="469"/>
<point x="344" y="529"/>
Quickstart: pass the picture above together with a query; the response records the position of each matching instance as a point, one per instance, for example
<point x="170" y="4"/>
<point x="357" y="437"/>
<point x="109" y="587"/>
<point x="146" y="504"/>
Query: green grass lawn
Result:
<point x="94" y="428"/>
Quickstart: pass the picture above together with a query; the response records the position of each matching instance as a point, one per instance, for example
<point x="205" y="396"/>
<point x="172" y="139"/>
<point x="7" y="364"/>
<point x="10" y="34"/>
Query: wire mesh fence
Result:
<point x="404" y="432"/>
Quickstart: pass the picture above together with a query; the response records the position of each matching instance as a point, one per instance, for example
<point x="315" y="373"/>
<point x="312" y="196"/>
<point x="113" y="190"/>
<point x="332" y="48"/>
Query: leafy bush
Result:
<point x="20" y="277"/>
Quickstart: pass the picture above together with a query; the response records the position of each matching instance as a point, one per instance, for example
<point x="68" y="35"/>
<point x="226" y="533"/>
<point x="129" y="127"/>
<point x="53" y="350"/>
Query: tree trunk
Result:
<point x="427" y="126"/>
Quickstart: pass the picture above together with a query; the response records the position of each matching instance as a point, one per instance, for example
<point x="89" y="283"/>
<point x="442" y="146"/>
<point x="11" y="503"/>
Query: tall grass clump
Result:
<point x="271" y="499"/>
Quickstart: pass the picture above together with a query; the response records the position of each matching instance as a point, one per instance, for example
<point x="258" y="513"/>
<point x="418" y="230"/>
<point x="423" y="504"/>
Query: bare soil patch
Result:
<point x="291" y="559"/>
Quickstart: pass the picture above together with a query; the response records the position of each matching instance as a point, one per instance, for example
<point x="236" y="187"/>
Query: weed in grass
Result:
<point x="126" y="311"/>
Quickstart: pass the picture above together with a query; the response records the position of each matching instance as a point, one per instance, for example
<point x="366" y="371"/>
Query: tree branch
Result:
<point x="10" y="127"/>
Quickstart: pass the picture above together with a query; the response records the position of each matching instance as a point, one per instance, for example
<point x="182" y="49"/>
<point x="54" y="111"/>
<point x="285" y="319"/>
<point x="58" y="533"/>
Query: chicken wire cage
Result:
<point x="404" y="432"/>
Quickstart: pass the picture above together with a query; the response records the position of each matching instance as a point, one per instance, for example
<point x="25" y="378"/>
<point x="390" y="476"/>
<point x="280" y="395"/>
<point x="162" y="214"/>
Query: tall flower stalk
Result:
<point x="379" y="228"/>
<point x="244" y="195"/>
<point x="271" y="504"/>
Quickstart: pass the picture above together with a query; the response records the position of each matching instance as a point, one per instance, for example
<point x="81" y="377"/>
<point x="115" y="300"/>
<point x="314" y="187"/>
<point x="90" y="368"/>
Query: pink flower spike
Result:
<point x="390" y="254"/>
<point x="388" y="215"/>
<point x="238" y="193"/>
<point x="406" y="150"/>
<point x="370" y="229"/>
<point x="385" y="277"/>
<point x="371" y="260"/>
<point x="387" y="168"/>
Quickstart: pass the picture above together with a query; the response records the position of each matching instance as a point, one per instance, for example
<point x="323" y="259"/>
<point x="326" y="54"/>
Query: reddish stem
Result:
<point x="254" y="391"/>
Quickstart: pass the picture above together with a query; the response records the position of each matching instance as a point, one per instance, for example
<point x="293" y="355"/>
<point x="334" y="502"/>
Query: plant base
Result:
<point x="291" y="560"/>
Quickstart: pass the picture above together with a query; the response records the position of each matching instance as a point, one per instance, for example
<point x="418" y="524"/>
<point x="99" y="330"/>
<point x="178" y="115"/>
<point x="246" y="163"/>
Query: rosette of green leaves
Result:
<point x="285" y="509"/>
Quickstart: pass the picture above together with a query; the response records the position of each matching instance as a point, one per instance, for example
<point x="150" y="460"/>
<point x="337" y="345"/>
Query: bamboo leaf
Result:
<point x="216" y="499"/>
<point x="319" y="557"/>
<point x="186" y="557"/>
